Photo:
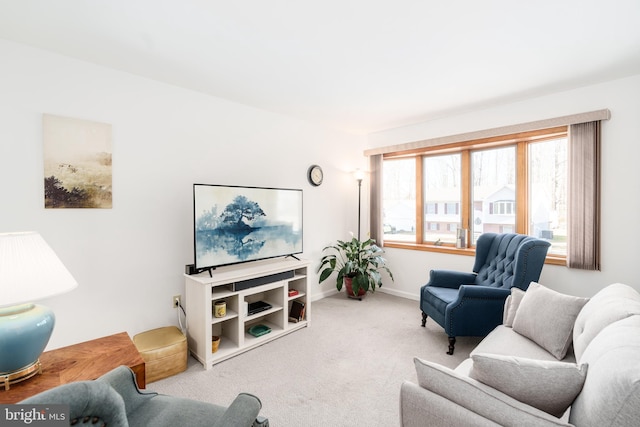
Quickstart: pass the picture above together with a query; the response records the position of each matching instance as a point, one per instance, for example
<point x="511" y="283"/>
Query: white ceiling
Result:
<point x="357" y="65"/>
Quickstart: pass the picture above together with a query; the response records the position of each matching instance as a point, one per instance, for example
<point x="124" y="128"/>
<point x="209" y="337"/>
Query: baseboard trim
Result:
<point x="394" y="292"/>
<point x="321" y="295"/>
<point x="398" y="293"/>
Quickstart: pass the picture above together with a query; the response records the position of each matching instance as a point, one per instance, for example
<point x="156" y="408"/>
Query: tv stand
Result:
<point x="202" y="291"/>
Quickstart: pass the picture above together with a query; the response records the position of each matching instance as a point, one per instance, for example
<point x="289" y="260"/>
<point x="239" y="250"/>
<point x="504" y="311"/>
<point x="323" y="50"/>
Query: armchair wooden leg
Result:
<point x="452" y="343"/>
<point x="424" y="319"/>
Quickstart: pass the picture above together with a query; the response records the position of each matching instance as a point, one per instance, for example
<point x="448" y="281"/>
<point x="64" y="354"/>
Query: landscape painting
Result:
<point x="77" y="163"/>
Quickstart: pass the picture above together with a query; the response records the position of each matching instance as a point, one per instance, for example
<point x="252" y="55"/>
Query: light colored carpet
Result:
<point x="345" y="369"/>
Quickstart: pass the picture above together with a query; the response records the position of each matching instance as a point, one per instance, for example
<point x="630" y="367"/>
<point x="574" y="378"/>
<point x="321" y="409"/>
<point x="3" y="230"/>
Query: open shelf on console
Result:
<point x="230" y="315"/>
<point x="202" y="291"/>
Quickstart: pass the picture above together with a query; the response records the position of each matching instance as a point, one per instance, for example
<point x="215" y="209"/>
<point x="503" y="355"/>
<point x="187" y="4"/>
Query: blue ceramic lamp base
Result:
<point x="24" y="333"/>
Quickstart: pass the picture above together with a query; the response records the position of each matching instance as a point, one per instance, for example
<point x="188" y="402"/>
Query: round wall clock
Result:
<point x="315" y="175"/>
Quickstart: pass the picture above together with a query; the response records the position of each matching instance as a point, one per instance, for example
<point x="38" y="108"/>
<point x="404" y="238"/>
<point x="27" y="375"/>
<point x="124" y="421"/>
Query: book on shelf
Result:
<point x="296" y="314"/>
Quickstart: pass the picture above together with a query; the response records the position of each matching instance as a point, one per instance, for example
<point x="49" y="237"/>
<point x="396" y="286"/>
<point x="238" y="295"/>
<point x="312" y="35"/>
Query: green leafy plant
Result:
<point x="361" y="261"/>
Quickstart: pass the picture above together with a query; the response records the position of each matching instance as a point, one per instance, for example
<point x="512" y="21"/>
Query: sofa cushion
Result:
<point x="511" y="306"/>
<point x="547" y="317"/>
<point x="441" y="296"/>
<point x="418" y="404"/>
<point x="479" y="398"/>
<point x="613" y="303"/>
<point x="506" y="341"/>
<point x="611" y="393"/>
<point x="550" y="386"/>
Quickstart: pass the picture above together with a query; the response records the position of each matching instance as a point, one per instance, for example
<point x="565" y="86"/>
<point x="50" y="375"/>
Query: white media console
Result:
<point x="238" y="285"/>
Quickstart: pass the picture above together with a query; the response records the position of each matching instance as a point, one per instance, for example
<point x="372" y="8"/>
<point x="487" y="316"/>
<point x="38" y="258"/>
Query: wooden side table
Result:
<point x="79" y="362"/>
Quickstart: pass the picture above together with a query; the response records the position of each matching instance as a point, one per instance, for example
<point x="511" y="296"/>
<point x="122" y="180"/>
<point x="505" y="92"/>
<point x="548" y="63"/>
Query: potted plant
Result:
<point x="358" y="264"/>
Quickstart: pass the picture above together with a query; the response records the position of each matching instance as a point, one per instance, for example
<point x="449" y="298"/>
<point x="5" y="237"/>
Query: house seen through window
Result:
<point x="511" y="184"/>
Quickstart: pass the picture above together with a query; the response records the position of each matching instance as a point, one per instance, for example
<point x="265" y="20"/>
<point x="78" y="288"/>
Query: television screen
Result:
<point x="235" y="224"/>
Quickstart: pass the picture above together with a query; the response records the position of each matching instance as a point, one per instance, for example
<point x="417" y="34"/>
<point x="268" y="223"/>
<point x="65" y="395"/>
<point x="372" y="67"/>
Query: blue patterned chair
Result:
<point x="471" y="304"/>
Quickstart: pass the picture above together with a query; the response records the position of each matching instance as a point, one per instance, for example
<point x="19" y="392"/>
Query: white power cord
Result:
<point x="186" y="326"/>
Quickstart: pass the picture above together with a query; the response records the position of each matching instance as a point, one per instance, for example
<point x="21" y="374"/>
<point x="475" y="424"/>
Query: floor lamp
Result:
<point x="359" y="176"/>
<point x="29" y="271"/>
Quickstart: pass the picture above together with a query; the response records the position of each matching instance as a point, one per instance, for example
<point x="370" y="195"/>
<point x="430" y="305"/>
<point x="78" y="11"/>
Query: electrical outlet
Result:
<point x="177" y="301"/>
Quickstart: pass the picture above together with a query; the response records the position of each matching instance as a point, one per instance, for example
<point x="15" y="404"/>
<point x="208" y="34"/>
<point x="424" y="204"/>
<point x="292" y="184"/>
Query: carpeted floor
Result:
<point x="345" y="369"/>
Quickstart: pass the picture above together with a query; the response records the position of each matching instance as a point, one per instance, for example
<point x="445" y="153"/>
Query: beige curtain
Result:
<point x="583" y="250"/>
<point x="375" y="197"/>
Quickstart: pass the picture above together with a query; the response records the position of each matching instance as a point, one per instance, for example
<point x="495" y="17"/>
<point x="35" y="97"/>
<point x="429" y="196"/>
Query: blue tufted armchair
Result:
<point x="472" y="304"/>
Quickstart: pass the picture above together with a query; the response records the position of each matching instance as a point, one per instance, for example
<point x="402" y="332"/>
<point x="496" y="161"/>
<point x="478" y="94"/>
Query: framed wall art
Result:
<point x="77" y="163"/>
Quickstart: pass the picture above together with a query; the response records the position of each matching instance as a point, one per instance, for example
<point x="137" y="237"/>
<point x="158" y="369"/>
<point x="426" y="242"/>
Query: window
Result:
<point x="493" y="191"/>
<point x="451" y="208"/>
<point x="399" y="190"/>
<point x="515" y="183"/>
<point x="548" y="190"/>
<point x="441" y="187"/>
<point x="503" y="207"/>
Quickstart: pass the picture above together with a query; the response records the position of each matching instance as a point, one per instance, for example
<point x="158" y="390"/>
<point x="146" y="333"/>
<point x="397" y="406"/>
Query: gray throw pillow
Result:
<point x="547" y="385"/>
<point x="547" y="317"/>
<point x="511" y="306"/>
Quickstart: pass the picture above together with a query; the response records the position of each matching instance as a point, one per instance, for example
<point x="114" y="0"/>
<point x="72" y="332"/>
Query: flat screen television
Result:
<point x="234" y="224"/>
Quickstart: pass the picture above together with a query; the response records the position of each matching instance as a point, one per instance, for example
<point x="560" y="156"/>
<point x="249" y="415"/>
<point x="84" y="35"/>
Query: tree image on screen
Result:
<point x="233" y="230"/>
<point x="240" y="210"/>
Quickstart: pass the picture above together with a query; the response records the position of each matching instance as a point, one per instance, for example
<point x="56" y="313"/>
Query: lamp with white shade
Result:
<point x="29" y="270"/>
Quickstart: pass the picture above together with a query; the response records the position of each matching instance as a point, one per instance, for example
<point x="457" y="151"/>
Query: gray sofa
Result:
<point x="557" y="360"/>
<point x="114" y="400"/>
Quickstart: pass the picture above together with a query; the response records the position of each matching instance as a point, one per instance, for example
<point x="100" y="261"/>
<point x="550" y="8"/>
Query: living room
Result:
<point x="129" y="260"/>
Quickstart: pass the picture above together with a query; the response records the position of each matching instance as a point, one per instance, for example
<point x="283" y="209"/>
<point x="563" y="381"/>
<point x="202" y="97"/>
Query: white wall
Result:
<point x="129" y="260"/>
<point x="620" y="191"/>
